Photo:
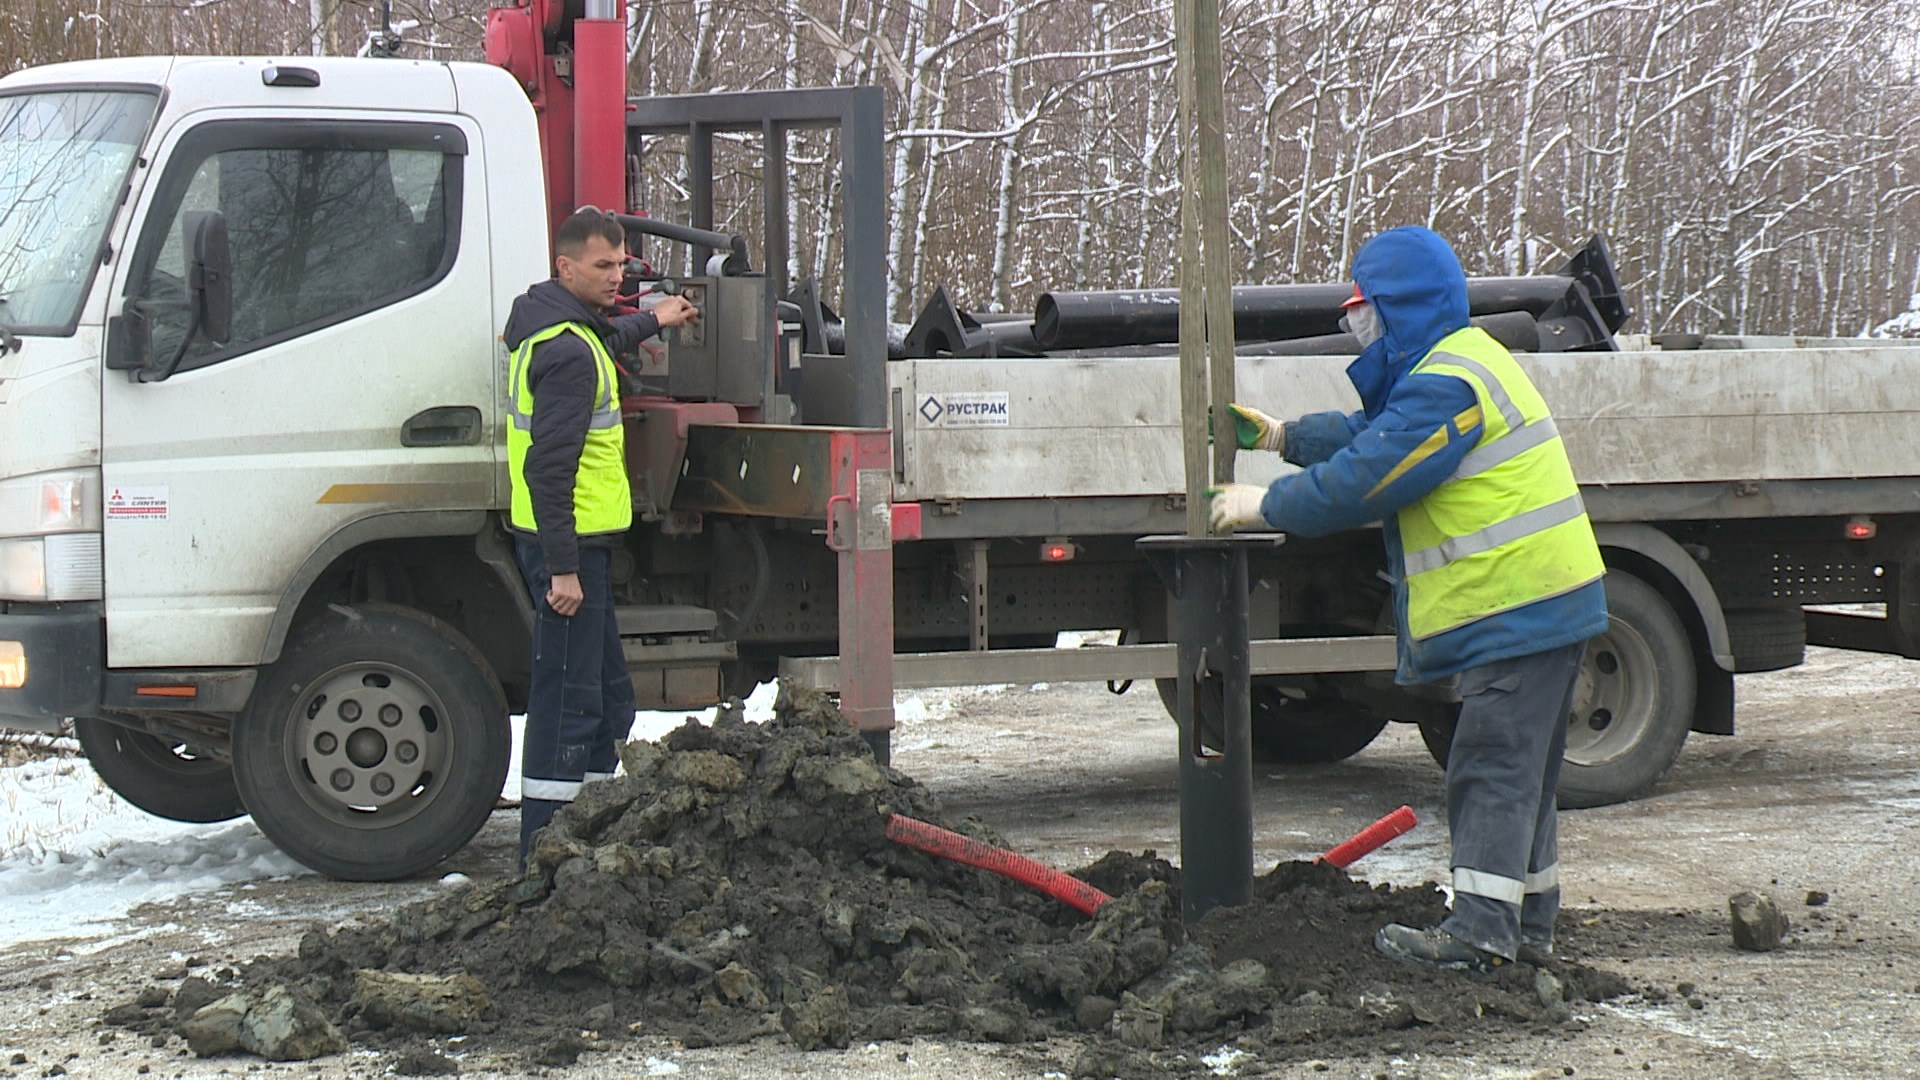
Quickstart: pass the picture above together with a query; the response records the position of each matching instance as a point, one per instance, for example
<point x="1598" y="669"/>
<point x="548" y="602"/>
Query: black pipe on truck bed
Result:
<point x="1579" y="306"/>
<point x="1517" y="330"/>
<point x="942" y="329"/>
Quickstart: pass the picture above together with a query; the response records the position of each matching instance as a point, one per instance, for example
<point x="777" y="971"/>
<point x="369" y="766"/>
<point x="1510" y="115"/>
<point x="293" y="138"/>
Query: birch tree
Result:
<point x="1754" y="162"/>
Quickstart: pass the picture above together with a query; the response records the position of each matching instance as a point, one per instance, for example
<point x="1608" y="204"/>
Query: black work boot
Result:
<point x="1535" y="951"/>
<point x="1434" y="948"/>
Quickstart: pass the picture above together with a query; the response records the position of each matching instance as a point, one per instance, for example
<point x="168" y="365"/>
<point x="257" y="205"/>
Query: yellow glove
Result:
<point x="1255" y="430"/>
<point x="1235" y="506"/>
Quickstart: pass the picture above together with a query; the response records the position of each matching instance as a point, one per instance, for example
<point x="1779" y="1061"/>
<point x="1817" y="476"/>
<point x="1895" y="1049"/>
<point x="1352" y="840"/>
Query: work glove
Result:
<point x="1255" y="430"/>
<point x="1235" y="506"/>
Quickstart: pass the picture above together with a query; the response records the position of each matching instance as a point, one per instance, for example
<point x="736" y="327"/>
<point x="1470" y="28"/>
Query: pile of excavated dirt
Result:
<point x="735" y="882"/>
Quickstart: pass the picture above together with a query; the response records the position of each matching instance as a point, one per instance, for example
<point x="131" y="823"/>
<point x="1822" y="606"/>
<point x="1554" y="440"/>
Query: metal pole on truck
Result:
<point x="1206" y="575"/>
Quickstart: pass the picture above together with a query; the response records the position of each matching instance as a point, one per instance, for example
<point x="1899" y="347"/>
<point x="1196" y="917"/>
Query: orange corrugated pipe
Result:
<point x="1070" y="890"/>
<point x="1364" y="841"/>
<point x="947" y="844"/>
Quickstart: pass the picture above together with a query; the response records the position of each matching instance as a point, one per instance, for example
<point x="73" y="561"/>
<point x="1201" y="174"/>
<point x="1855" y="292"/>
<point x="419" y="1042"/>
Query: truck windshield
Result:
<point x="64" y="156"/>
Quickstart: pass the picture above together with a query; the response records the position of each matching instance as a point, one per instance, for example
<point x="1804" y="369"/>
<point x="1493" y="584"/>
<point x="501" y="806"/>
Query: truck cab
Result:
<point x="248" y="345"/>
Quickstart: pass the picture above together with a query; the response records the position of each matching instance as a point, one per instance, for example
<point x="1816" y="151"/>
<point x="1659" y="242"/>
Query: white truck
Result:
<point x="252" y="473"/>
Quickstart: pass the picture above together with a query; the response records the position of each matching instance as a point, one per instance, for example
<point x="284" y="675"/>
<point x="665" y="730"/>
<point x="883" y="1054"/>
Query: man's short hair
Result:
<point x="584" y="224"/>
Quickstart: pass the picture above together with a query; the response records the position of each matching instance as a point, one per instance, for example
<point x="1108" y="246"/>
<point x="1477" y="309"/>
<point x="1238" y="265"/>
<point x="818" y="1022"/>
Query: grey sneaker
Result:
<point x="1435" y="948"/>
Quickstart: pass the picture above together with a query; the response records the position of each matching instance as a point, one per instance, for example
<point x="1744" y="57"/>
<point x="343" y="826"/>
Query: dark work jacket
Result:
<point x="561" y="379"/>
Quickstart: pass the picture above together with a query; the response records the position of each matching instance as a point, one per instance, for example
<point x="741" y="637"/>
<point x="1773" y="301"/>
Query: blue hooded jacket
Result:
<point x="1414" y="282"/>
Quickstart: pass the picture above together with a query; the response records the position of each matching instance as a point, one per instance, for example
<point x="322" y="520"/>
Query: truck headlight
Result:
<point x="13" y="665"/>
<point x="65" y="566"/>
<point x="67" y="500"/>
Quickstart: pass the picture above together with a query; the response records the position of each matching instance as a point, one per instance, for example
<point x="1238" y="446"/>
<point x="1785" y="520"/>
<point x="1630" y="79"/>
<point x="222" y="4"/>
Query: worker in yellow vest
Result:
<point x="1497" y="579"/>
<point x="571" y="504"/>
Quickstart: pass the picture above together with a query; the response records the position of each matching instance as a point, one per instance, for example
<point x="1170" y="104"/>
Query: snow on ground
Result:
<point x="74" y="855"/>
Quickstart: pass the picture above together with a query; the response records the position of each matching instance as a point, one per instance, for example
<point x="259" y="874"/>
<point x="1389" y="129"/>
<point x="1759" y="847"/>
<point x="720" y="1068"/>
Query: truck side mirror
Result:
<point x="209" y="300"/>
<point x="209" y="273"/>
<point x="129" y="340"/>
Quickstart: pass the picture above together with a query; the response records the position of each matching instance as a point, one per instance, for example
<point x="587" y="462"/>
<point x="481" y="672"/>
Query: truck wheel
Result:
<point x="1632" y="704"/>
<point x="376" y="746"/>
<point x="1291" y="725"/>
<point x="161" y="775"/>
<point x="1766" y="639"/>
<point x="1436" y="730"/>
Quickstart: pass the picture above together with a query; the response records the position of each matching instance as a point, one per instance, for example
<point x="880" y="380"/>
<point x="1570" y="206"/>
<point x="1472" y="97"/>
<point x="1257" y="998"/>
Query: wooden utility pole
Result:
<point x="1206" y="576"/>
<point x="1206" y="285"/>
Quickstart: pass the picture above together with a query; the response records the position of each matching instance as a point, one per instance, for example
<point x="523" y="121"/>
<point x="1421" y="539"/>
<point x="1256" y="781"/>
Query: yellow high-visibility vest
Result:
<point x="1508" y="528"/>
<point x="602" y="498"/>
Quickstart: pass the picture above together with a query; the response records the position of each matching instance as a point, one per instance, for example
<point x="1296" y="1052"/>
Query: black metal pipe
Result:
<point x="732" y="243"/>
<point x="1093" y="320"/>
<point x="1517" y="330"/>
<point x="942" y="329"/>
<point x="1584" y="288"/>
<point x="1206" y="580"/>
<point x="1263" y="312"/>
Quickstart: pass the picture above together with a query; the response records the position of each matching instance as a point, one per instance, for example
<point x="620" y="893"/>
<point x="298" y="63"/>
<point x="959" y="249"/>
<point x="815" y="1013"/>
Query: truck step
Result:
<point x="664" y="620"/>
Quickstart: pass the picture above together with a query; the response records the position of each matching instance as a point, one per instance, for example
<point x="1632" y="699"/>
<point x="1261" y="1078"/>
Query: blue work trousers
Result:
<point x="580" y="706"/>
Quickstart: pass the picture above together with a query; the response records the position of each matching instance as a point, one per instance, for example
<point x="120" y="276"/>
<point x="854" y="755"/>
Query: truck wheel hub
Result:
<point x="1613" y="697"/>
<point x="368" y="736"/>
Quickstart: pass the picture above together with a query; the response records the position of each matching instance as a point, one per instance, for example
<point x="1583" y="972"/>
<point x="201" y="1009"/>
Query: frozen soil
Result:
<point x="735" y="883"/>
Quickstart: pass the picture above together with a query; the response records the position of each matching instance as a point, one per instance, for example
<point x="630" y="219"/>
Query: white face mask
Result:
<point x="1362" y="323"/>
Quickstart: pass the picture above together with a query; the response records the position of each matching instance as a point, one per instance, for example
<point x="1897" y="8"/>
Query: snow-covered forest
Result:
<point x="1756" y="163"/>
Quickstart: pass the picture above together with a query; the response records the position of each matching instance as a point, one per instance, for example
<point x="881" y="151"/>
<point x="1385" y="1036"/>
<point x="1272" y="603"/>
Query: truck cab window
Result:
<point x="319" y="232"/>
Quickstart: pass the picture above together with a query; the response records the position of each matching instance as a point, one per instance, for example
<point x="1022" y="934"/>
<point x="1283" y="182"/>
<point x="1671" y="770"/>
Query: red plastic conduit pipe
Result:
<point x="1374" y="835"/>
<point x="946" y="844"/>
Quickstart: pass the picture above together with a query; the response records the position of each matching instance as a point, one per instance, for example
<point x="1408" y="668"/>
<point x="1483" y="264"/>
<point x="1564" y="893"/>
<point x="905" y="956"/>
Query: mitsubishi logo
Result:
<point x="931" y="410"/>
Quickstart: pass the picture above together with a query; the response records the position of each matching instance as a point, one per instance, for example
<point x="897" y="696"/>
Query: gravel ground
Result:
<point x="1814" y="796"/>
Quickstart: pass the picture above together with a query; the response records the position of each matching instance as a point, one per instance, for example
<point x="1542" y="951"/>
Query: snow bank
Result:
<point x="75" y="855"/>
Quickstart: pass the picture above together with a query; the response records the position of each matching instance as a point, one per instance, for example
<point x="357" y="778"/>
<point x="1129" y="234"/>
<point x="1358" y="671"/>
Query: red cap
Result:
<point x="1355" y="300"/>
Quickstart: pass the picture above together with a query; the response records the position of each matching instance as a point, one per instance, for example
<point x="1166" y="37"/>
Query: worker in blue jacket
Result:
<point x="1497" y="579"/>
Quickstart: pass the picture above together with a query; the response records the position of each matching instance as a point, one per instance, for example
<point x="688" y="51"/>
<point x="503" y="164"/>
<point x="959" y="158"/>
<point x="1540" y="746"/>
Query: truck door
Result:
<point x="357" y="385"/>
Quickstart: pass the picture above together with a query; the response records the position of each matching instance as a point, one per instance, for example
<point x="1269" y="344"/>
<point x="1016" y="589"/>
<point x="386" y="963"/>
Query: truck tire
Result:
<point x="1437" y="733"/>
<point x="376" y="746"/>
<point x="1632" y="705"/>
<point x="160" y="775"/>
<point x="1292" y="726"/>
<point x="1766" y="639"/>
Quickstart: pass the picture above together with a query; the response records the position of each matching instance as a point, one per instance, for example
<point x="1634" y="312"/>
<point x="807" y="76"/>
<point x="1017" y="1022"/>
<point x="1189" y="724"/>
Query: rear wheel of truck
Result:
<point x="1766" y="639"/>
<point x="1632" y="702"/>
<point x="376" y="746"/>
<point x="1293" y="725"/>
<point x="159" y="774"/>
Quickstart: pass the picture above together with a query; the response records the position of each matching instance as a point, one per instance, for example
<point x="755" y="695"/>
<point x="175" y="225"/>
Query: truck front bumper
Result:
<point x="64" y="650"/>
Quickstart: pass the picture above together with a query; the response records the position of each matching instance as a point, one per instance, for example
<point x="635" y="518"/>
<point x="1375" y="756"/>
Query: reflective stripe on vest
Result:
<point x="1508" y="528"/>
<point x="602" y="498"/>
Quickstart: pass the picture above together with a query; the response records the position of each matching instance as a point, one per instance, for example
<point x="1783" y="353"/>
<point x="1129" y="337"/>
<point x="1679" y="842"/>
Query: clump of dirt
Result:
<point x="735" y="882"/>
